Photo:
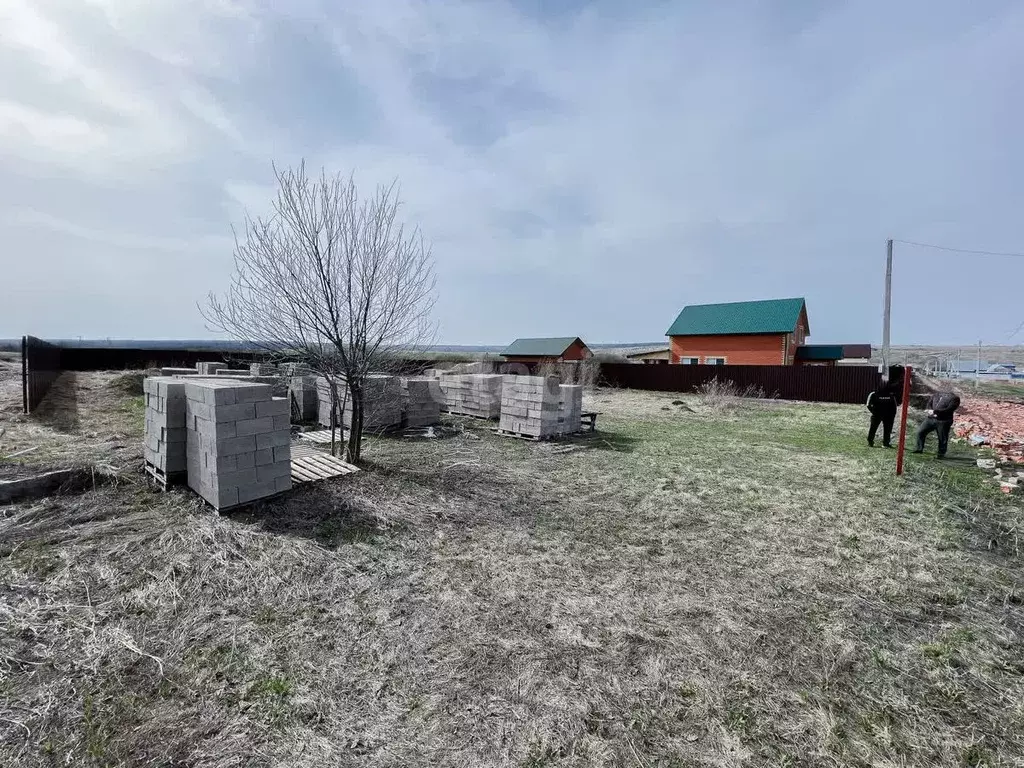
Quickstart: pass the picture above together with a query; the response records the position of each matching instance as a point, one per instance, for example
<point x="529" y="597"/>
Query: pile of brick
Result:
<point x="209" y="369"/>
<point x="263" y="369"/>
<point x="421" y="401"/>
<point x="998" y="424"/>
<point x="530" y="406"/>
<point x="238" y="442"/>
<point x="570" y="408"/>
<point x="476" y="394"/>
<point x="305" y="401"/>
<point x="165" y="434"/>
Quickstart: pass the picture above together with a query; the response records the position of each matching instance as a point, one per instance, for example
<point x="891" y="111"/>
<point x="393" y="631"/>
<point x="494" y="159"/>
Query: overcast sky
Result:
<point x="581" y="169"/>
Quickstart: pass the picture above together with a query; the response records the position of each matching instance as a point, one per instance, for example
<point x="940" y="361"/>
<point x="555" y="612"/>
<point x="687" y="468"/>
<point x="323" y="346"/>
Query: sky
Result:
<point x="579" y="168"/>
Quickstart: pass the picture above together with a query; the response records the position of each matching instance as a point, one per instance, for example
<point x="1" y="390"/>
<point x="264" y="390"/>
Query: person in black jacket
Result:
<point x="939" y="419"/>
<point x="883" y="404"/>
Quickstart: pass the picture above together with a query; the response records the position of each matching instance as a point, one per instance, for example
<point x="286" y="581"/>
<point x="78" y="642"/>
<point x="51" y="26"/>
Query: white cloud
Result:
<point x="633" y="157"/>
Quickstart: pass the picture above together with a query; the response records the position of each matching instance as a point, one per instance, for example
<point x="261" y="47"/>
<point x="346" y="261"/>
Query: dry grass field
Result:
<point x="729" y="584"/>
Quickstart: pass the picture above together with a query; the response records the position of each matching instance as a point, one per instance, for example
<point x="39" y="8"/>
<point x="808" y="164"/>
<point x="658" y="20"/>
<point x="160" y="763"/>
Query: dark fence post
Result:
<point x="40" y="367"/>
<point x="24" y="372"/>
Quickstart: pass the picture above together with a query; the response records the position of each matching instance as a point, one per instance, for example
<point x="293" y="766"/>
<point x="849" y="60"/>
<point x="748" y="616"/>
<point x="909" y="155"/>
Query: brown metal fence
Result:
<point x="821" y="384"/>
<point x="40" y="367"/>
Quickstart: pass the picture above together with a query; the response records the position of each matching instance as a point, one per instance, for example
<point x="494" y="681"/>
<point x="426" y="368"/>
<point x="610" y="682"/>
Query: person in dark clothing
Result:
<point x="883" y="404"/>
<point x="939" y="419"/>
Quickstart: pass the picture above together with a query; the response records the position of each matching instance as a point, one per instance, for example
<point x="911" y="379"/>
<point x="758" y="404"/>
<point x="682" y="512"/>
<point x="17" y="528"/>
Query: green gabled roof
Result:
<point x="539" y="347"/>
<point x="772" y="316"/>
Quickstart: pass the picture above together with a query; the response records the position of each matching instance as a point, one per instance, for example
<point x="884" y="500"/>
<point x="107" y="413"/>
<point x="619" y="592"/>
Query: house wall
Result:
<point x="577" y="351"/>
<point x="759" y="349"/>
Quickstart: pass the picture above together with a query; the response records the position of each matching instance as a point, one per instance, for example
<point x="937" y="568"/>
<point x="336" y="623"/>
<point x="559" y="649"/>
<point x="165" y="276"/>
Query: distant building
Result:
<point x="833" y="354"/>
<point x="555" y="350"/>
<point x="739" y="333"/>
<point x="651" y="356"/>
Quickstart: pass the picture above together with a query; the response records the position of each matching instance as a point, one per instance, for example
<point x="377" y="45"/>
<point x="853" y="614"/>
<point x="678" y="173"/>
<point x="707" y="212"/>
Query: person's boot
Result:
<point x="871" y="443"/>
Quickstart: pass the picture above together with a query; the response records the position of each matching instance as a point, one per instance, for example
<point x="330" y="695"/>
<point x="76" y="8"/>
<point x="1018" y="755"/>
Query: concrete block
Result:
<point x="278" y="406"/>
<point x="282" y="484"/>
<point x="283" y="453"/>
<point x="238" y="478"/>
<point x="245" y="460"/>
<point x="256" y="491"/>
<point x="282" y="422"/>
<point x="235" y="445"/>
<point x="216" y="430"/>
<point x="227" y="497"/>
<point x="273" y="439"/>
<point x="264" y="456"/>
<point x="236" y="412"/>
<point x="270" y="472"/>
<point x="251" y="393"/>
<point x="254" y="426"/>
<point x="217" y="396"/>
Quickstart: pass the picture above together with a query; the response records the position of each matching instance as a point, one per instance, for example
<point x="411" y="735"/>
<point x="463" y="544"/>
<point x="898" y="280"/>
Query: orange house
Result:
<point x="740" y="333"/>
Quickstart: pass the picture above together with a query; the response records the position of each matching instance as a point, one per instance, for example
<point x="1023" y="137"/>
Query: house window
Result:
<point x="689" y="360"/>
<point x="714" y="360"/>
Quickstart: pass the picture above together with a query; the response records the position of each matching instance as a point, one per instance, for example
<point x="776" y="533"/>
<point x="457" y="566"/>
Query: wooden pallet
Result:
<point x="310" y="466"/>
<point x="323" y="436"/>
<point x="163" y="479"/>
<point x="522" y="436"/>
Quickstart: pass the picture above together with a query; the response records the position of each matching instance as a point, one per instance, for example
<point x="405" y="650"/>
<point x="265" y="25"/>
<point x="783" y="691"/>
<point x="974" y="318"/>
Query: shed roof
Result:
<point x="833" y="351"/>
<point x="540" y="347"/>
<point x="738" y="318"/>
<point x="820" y="352"/>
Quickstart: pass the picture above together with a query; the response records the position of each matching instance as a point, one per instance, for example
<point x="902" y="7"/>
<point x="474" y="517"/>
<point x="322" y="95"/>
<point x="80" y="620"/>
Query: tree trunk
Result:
<point x="355" y="435"/>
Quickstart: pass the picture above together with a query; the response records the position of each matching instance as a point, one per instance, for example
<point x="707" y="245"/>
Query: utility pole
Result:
<point x="977" y="371"/>
<point x="887" y="309"/>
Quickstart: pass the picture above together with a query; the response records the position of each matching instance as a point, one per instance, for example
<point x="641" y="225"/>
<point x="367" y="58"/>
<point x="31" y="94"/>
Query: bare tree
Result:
<point x="331" y="280"/>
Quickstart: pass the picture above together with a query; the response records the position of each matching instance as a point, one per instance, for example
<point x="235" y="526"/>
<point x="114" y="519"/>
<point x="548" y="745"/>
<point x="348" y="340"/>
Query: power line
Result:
<point x="961" y="250"/>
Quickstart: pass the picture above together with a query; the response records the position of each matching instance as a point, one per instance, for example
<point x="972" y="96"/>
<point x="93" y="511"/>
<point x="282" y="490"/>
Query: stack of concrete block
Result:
<point x="238" y="441"/>
<point x="477" y="367"/>
<point x="529" y="406"/>
<point x="324" y="401"/>
<point x="421" y="401"/>
<point x="295" y="369"/>
<point x="278" y="384"/>
<point x="165" y="424"/>
<point x="209" y="369"/>
<point x="302" y="390"/>
<point x="263" y="369"/>
<point x="477" y="394"/>
<point x="232" y="372"/>
<point x="382" y="402"/>
<point x="176" y="371"/>
<point x="570" y="406"/>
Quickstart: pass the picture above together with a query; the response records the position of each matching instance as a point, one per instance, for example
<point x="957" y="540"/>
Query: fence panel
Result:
<point x="822" y="384"/>
<point x="40" y="367"/>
